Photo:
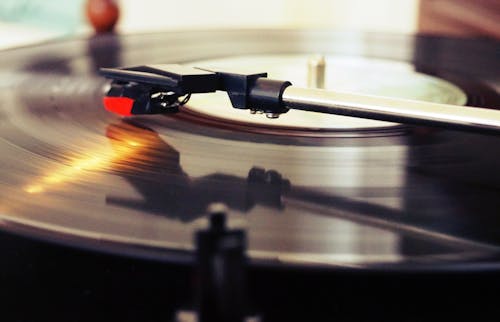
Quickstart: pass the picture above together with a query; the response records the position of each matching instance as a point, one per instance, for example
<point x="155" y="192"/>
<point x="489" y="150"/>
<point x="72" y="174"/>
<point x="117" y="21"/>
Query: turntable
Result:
<point x="345" y="218"/>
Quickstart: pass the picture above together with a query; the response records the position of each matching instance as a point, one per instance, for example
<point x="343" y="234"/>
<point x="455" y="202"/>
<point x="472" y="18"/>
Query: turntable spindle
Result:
<point x="316" y="71"/>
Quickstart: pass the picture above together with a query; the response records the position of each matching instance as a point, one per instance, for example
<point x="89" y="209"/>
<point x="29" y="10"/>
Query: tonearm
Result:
<point x="152" y="89"/>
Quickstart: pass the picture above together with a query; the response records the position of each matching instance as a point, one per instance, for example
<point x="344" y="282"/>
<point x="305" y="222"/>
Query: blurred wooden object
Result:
<point x="102" y="14"/>
<point x="469" y="18"/>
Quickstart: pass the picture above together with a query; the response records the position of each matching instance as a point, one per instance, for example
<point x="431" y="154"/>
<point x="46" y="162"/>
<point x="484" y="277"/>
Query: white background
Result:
<point x="366" y="15"/>
<point x="43" y="20"/>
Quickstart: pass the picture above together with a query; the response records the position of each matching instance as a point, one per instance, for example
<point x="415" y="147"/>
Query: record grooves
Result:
<point x="99" y="213"/>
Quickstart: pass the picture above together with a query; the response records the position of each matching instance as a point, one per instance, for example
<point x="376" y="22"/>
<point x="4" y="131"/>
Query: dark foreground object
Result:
<point x="45" y="282"/>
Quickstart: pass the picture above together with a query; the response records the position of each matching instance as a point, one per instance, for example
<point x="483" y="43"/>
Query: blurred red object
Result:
<point x="478" y="18"/>
<point x="102" y="14"/>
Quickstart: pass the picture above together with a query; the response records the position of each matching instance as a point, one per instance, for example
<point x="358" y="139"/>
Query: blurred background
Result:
<point x="25" y="21"/>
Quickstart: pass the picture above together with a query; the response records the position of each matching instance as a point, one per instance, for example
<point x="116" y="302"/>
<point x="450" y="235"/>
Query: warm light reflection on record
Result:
<point x="127" y="141"/>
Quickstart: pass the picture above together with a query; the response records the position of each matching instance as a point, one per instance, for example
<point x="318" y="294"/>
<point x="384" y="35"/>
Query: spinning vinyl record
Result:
<point x="309" y="190"/>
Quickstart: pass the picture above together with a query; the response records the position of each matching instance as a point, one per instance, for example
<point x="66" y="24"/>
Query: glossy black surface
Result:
<point x="384" y="225"/>
<point x="373" y="199"/>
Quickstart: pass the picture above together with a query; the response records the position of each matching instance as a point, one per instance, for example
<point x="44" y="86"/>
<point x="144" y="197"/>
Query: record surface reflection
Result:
<point x="72" y="173"/>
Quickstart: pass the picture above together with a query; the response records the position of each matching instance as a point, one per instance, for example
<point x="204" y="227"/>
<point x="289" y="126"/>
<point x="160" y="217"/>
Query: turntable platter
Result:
<point x="391" y="199"/>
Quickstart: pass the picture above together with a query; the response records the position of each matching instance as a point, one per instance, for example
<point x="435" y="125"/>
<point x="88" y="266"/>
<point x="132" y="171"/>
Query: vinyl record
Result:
<point x="310" y="191"/>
